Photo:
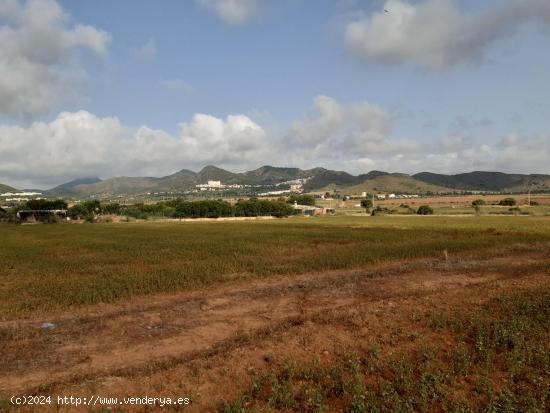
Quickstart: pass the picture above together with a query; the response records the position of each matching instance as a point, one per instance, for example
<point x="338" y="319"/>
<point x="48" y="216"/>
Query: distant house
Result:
<point x="308" y="210"/>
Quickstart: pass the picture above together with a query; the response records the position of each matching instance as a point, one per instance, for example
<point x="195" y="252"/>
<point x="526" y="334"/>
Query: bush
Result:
<point x="507" y="202"/>
<point x="381" y="211"/>
<point x="425" y="210"/>
<point x="9" y="216"/>
<point x="478" y="202"/>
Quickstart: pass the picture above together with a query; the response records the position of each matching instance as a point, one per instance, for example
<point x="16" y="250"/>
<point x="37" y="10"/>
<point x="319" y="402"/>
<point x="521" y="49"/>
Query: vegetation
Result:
<point x="425" y="210"/>
<point x="302" y="199"/>
<point x="48" y="267"/>
<point x="381" y="211"/>
<point x="478" y="202"/>
<point x="494" y="358"/>
<point x="366" y="203"/>
<point x="46" y="204"/>
<point x="508" y="202"/>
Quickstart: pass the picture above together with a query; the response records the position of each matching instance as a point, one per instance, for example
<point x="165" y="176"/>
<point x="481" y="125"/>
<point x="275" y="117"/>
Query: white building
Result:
<point x="215" y="184"/>
<point x="210" y="185"/>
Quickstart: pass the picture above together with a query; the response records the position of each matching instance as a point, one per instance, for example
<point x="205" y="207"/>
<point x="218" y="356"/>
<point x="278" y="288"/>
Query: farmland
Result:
<point x="50" y="267"/>
<point x="257" y="315"/>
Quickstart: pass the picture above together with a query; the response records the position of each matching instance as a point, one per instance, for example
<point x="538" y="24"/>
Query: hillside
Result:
<point x="6" y="188"/>
<point x="213" y="173"/>
<point x="325" y="177"/>
<point x="319" y="180"/>
<point x="389" y="183"/>
<point x="486" y="181"/>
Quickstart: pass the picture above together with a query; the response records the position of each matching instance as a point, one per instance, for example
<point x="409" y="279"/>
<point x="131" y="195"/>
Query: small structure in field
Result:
<point x="308" y="210"/>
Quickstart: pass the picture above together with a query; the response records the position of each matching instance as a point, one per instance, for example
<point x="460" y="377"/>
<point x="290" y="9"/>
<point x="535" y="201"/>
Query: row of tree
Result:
<point x="178" y="208"/>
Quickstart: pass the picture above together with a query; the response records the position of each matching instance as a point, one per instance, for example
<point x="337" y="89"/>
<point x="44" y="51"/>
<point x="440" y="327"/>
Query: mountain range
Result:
<point x="318" y="180"/>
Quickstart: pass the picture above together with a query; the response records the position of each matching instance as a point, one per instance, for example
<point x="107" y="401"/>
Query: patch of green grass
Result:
<point x="45" y="267"/>
<point x="499" y="362"/>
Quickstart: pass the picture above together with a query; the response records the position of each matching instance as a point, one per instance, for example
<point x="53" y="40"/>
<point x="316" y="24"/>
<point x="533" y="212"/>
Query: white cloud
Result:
<point x="231" y="11"/>
<point x="148" y="50"/>
<point x="37" y="64"/>
<point x="82" y="144"/>
<point x="435" y="33"/>
<point x="336" y="132"/>
<point x="355" y="137"/>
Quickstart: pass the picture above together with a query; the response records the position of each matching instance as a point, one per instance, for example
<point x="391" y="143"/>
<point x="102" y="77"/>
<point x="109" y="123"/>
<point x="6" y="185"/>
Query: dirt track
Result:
<point x="206" y="344"/>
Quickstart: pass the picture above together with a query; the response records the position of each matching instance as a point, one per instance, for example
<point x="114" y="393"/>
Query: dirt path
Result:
<point x="214" y="339"/>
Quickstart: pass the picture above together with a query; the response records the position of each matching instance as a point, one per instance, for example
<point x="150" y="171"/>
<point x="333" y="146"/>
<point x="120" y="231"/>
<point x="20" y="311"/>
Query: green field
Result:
<point x="48" y="267"/>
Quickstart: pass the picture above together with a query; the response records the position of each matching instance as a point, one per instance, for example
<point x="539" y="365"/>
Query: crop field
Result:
<point x="334" y="313"/>
<point x="48" y="267"/>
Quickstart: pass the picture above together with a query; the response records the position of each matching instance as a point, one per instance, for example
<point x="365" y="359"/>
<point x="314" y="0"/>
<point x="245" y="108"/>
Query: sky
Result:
<point x="144" y="88"/>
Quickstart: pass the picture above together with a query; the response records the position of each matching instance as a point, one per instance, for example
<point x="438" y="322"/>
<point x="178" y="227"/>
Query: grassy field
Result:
<point x="49" y="267"/>
<point x="452" y="205"/>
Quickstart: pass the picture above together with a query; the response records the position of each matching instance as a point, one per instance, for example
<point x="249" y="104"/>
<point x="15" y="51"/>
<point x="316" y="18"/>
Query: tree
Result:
<point x="302" y="199"/>
<point x="478" y="202"/>
<point x="366" y="203"/>
<point x="46" y="204"/>
<point x="425" y="210"/>
<point x="111" y="208"/>
<point x="78" y="211"/>
<point x="92" y="206"/>
<point x="507" y="202"/>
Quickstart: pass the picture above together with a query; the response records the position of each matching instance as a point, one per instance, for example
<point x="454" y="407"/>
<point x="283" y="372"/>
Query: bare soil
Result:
<point x="208" y="344"/>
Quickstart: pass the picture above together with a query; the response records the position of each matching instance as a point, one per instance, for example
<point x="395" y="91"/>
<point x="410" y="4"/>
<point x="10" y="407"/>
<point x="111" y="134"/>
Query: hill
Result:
<point x="400" y="183"/>
<point x="213" y="173"/>
<point x="6" y="188"/>
<point x="486" y="181"/>
<point x="318" y="180"/>
<point x="272" y="174"/>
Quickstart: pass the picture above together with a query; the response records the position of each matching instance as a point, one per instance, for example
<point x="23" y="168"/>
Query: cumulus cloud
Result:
<point x="231" y="11"/>
<point x="355" y="137"/>
<point x="336" y="131"/>
<point x="436" y="34"/>
<point x="82" y="144"/>
<point x="37" y="63"/>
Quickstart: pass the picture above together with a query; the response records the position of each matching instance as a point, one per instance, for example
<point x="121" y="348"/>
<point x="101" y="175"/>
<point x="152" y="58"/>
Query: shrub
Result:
<point x="425" y="210"/>
<point x="381" y="211"/>
<point x="507" y="202"/>
<point x="478" y="202"/>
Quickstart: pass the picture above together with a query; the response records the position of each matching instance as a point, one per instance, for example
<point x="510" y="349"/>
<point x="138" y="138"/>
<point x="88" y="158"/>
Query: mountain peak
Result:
<point x="80" y="181"/>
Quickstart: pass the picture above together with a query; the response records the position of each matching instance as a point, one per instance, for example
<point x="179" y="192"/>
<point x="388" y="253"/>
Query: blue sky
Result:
<point x="438" y="85"/>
